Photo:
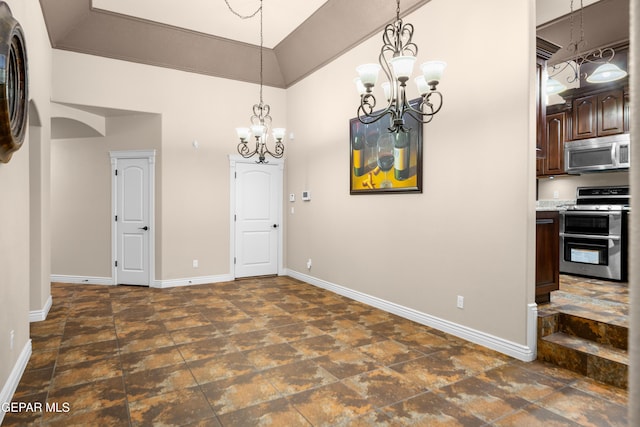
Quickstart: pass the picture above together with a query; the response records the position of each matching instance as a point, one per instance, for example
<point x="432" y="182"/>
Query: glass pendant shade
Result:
<point x="606" y="73"/>
<point x="278" y="133"/>
<point x="359" y="86"/>
<point x="554" y="87"/>
<point x="422" y="85"/>
<point x="386" y="87"/>
<point x="368" y="74"/>
<point x="433" y="70"/>
<point x="258" y="130"/>
<point x="402" y="66"/>
<point x="243" y="133"/>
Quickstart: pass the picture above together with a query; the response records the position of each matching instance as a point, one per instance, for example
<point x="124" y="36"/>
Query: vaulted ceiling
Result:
<point x="204" y="36"/>
<point x="300" y="36"/>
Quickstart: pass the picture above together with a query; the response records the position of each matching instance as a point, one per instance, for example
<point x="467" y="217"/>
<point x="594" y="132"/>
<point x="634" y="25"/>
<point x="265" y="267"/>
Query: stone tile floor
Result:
<point x="601" y="300"/>
<point x="277" y="351"/>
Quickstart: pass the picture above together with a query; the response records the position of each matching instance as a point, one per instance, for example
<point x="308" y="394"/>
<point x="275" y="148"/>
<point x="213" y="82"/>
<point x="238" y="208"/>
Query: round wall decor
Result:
<point x="14" y="97"/>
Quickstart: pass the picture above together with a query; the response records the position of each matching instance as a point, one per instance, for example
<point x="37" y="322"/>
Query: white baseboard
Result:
<point x="40" y="315"/>
<point x="85" y="280"/>
<point x="88" y="280"/>
<point x="10" y="386"/>
<point x="203" y="280"/>
<point x="525" y="353"/>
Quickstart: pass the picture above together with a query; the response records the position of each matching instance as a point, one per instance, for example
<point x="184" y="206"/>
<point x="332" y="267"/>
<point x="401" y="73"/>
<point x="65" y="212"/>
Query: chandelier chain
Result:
<point x="576" y="43"/>
<point x="261" y="53"/>
<point x="243" y="16"/>
<point x="397" y="10"/>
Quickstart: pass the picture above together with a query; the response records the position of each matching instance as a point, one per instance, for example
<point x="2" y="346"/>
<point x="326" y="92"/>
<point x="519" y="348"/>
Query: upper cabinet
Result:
<point x="544" y="50"/>
<point x="598" y="114"/>
<point x="553" y="163"/>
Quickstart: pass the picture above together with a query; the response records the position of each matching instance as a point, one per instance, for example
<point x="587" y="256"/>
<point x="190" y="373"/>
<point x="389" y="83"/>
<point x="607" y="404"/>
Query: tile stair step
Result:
<point x="589" y="347"/>
<point x="599" y="309"/>
<point x="600" y="331"/>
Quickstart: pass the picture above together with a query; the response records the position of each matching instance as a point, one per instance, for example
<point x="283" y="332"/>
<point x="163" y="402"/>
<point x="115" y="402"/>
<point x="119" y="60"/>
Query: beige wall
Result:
<point x="81" y="193"/>
<point x="20" y="292"/>
<point x="470" y="232"/>
<point x="192" y="204"/>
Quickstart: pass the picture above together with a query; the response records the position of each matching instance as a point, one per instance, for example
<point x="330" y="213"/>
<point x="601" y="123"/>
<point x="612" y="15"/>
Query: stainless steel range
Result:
<point x="593" y="233"/>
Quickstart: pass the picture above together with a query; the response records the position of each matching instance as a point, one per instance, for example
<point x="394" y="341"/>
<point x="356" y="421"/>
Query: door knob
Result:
<point x="145" y="228"/>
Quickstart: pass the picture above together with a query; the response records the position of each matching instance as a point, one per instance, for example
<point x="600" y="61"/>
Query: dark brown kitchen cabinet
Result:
<point x="547" y="255"/>
<point x="598" y="114"/>
<point x="555" y="136"/>
<point x="544" y="50"/>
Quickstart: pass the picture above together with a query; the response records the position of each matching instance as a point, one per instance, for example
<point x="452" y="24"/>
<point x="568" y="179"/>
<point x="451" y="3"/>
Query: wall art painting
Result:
<point x="382" y="161"/>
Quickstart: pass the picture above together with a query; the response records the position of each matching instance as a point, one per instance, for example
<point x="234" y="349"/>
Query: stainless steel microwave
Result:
<point x="597" y="154"/>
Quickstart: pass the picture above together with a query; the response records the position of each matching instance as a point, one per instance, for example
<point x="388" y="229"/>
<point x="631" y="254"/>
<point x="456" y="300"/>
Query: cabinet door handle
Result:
<point x="544" y="221"/>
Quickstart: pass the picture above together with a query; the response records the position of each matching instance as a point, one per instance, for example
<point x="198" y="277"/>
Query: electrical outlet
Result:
<point x="556" y="194"/>
<point x="309" y="264"/>
<point x="460" y="302"/>
<point x="12" y="335"/>
<point x="195" y="263"/>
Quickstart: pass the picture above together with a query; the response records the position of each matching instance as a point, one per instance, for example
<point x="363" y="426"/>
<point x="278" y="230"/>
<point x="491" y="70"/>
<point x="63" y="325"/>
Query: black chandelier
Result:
<point x="606" y="71"/>
<point x="397" y="58"/>
<point x="260" y="119"/>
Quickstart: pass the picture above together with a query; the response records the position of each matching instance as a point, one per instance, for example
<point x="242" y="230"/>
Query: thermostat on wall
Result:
<point x="306" y="196"/>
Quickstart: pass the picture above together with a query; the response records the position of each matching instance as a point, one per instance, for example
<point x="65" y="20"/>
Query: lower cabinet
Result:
<point x="547" y="254"/>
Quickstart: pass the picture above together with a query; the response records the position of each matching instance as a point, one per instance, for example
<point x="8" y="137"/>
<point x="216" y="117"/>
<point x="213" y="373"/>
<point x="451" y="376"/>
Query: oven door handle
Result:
<point x="590" y="213"/>
<point x="590" y="236"/>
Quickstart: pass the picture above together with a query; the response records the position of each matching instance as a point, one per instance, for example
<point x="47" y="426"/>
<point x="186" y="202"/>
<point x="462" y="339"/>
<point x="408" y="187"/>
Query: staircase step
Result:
<point x="598" y="361"/>
<point x="606" y="311"/>
<point x="595" y="330"/>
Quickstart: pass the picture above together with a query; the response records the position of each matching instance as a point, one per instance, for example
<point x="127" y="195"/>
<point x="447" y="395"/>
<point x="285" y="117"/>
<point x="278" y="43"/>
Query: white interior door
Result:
<point x="258" y="197"/>
<point x="132" y="222"/>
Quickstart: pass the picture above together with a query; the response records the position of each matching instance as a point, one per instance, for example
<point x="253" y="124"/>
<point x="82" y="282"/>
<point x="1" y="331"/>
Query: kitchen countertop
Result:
<point x="554" y="205"/>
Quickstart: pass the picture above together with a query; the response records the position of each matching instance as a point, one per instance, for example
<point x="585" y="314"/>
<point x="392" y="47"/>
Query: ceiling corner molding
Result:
<point x="332" y="31"/>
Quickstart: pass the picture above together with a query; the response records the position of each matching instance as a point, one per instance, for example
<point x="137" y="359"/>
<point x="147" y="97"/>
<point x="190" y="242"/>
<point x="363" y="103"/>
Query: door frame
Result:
<point x="150" y="155"/>
<point x="233" y="160"/>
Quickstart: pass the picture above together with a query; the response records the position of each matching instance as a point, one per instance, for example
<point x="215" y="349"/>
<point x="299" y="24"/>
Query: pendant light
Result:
<point x="606" y="71"/>
<point x="260" y="119"/>
<point x="397" y="58"/>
